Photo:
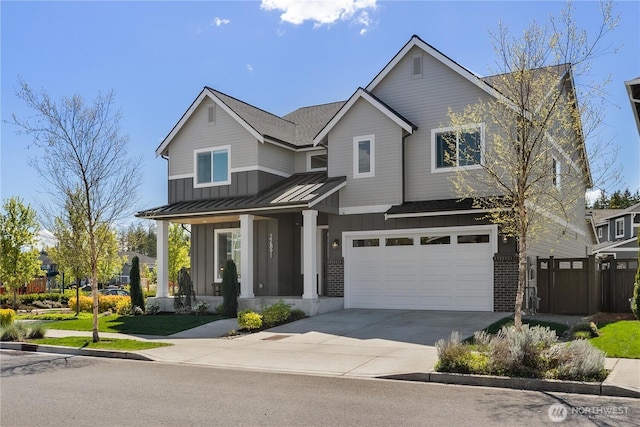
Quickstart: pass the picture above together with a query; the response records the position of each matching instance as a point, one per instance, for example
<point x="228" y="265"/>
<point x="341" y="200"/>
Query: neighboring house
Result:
<point x="124" y="277"/>
<point x="633" y="90"/>
<point x="616" y="231"/>
<point x="347" y="204"/>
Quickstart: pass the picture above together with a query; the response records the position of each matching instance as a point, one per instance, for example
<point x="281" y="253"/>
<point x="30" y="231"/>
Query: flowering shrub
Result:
<point x="249" y="319"/>
<point x="201" y="308"/>
<point x="123" y="307"/>
<point x="86" y="304"/>
<point x="6" y="316"/>
<point x="152" y="308"/>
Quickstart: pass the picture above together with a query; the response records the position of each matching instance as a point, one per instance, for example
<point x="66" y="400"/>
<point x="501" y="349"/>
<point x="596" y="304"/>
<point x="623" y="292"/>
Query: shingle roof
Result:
<point x="309" y="120"/>
<point x="299" y="190"/>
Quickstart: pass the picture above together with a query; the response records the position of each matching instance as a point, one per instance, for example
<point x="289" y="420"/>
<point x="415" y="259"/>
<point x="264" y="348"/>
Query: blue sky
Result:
<point x="278" y="55"/>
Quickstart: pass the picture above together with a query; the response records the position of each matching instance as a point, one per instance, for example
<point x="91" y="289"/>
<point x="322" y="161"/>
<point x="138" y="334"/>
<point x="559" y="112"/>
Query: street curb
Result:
<point x="114" y="354"/>
<point x="533" y="384"/>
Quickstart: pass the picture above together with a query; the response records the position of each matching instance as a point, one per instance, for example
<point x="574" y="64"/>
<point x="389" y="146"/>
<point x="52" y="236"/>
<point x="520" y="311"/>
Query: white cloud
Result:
<point x="323" y="12"/>
<point x="220" y="21"/>
<point x="250" y="68"/>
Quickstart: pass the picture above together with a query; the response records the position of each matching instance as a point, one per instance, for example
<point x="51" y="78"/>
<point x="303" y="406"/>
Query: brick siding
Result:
<point x="335" y="277"/>
<point x="505" y="282"/>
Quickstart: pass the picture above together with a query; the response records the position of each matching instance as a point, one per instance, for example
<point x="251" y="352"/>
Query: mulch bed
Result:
<point x="610" y="317"/>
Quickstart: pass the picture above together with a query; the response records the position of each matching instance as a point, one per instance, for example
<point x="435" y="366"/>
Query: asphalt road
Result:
<point x="38" y="389"/>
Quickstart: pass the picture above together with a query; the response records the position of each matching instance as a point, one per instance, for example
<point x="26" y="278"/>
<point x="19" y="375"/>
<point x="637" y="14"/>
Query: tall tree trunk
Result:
<point x="522" y="277"/>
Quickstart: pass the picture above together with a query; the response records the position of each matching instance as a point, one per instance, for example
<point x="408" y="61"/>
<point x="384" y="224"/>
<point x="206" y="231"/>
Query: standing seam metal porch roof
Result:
<point x="301" y="190"/>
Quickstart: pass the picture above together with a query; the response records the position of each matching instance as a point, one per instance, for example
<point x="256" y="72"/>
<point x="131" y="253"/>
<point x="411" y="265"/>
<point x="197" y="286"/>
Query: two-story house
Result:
<point x="616" y="232"/>
<point x="347" y="204"/>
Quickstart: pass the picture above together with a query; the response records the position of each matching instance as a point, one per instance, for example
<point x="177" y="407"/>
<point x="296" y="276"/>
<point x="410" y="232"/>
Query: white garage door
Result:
<point x="423" y="269"/>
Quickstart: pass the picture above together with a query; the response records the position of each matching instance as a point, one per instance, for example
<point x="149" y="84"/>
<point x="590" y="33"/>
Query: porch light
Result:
<point x="335" y="244"/>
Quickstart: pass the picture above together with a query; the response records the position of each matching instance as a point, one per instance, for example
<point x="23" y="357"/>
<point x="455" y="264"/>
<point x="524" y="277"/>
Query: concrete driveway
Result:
<point x="354" y="342"/>
<point x="408" y="326"/>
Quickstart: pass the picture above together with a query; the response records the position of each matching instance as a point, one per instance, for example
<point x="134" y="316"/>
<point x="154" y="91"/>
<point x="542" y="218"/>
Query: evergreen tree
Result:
<point x="137" y="297"/>
<point x="230" y="289"/>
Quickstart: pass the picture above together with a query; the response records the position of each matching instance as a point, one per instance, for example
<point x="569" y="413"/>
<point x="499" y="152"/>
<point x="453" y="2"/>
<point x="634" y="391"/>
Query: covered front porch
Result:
<point x="279" y="243"/>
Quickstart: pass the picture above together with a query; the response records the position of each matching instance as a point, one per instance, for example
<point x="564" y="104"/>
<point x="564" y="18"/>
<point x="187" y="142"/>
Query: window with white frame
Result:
<point x="452" y="148"/>
<point x="364" y="156"/>
<point x="226" y="246"/>
<point x="556" y="171"/>
<point x="619" y="227"/>
<point x="212" y="166"/>
<point x="317" y="162"/>
<point x="600" y="232"/>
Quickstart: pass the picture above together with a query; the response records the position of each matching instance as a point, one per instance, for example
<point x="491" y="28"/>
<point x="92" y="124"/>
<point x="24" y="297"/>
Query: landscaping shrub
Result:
<point x="532" y="352"/>
<point x="585" y="330"/>
<point x="275" y="314"/>
<point x="577" y="361"/>
<point x="7" y="316"/>
<point x="152" y="308"/>
<point x="296" y="314"/>
<point x="520" y="353"/>
<point x="230" y="289"/>
<point x="137" y="297"/>
<point x="85" y="303"/>
<point x="201" y="308"/>
<point x="458" y="357"/>
<point x="249" y="319"/>
<point x="123" y="307"/>
<point x="635" y="299"/>
<point x="36" y="331"/>
<point x="13" y="332"/>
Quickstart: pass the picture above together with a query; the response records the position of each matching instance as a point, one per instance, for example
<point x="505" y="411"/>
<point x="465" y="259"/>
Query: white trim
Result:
<point x="262" y="169"/>
<point x="236" y="170"/>
<point x="435" y="132"/>
<point x="371" y="139"/>
<point x="353" y="210"/>
<point x="310" y="154"/>
<point x="226" y="148"/>
<point x="436" y="213"/>
<point x="361" y="93"/>
<point x="600" y="232"/>
<point x="181" y="176"/>
<point x="615" y="227"/>
<point x="557" y="171"/>
<point x="229" y="211"/>
<point x="216" y="234"/>
<point x="619" y="243"/>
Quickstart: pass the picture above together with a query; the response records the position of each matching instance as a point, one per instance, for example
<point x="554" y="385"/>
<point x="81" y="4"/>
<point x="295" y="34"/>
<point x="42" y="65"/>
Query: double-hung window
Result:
<point x="452" y="148"/>
<point x="619" y="227"/>
<point x="364" y="156"/>
<point x="212" y="166"/>
<point x="226" y="246"/>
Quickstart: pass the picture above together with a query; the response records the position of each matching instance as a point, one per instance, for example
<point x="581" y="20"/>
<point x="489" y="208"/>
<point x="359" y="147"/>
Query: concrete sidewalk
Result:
<point x="360" y="343"/>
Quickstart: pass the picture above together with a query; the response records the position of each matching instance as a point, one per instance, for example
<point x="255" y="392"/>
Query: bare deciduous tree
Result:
<point x="532" y="170"/>
<point x="81" y="147"/>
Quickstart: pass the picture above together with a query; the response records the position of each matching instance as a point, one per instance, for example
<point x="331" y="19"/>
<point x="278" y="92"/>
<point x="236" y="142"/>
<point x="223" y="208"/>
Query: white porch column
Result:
<point x="246" y="256"/>
<point x="162" y="238"/>
<point x="310" y="223"/>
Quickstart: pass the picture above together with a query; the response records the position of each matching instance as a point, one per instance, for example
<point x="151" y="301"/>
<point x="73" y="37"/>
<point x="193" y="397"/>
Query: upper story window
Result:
<point x="600" y="232"/>
<point x="364" y="156"/>
<point x="452" y="148"/>
<point x="212" y="166"/>
<point x="316" y="162"/>
<point x="619" y="227"/>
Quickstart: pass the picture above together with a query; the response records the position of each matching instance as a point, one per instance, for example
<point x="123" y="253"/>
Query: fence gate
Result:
<point x="564" y="285"/>
<point x="618" y="277"/>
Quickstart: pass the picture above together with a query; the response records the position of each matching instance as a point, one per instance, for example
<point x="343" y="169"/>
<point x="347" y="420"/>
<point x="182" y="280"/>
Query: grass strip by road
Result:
<point x="619" y="339"/>
<point x="103" y="344"/>
<point x="160" y="324"/>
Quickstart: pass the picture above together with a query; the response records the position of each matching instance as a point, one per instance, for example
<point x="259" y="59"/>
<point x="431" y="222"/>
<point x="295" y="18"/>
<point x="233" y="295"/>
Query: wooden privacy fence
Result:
<point x="585" y="285"/>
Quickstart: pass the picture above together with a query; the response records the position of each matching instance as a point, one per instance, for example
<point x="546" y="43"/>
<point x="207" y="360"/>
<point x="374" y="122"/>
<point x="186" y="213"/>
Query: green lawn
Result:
<point x="619" y="339"/>
<point x="160" y="324"/>
<point x="103" y="344"/>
